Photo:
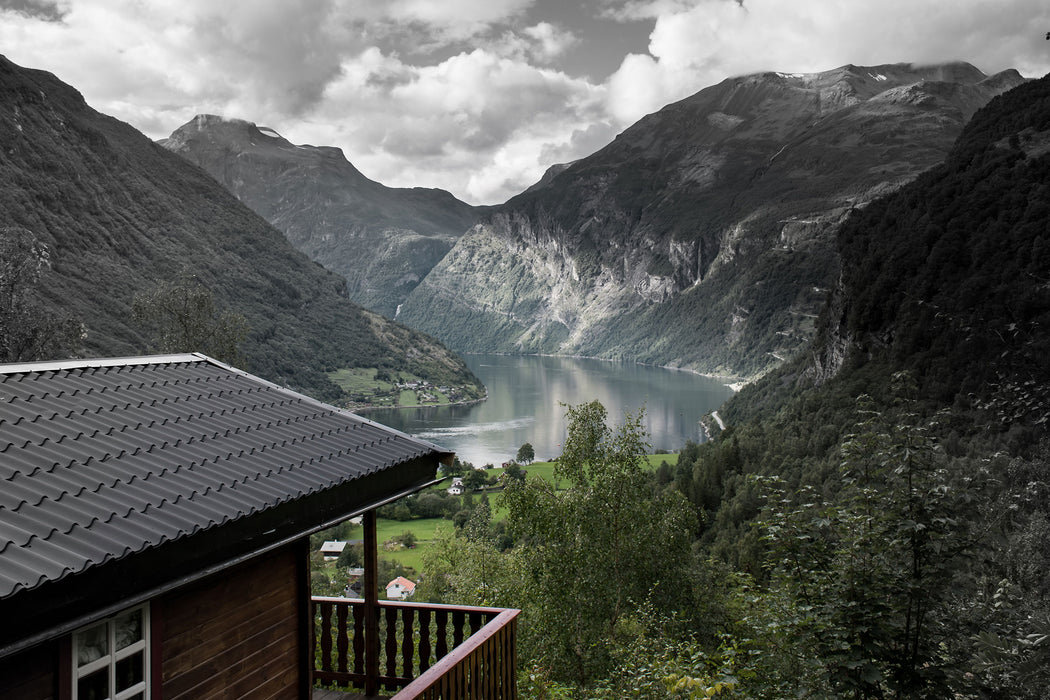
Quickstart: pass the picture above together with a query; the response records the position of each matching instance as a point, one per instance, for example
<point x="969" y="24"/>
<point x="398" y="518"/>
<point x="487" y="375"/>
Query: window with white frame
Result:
<point x="111" y="658"/>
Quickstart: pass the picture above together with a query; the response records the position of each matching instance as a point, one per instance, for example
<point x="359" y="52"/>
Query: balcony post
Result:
<point x="371" y="596"/>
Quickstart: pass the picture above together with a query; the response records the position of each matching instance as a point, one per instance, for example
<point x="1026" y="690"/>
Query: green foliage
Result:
<point x="869" y="568"/>
<point x="475" y="480"/>
<point x="514" y="471"/>
<point x="526" y="454"/>
<point x="470" y="570"/>
<point x="352" y="557"/>
<point x="181" y="317"/>
<point x="594" y="551"/>
<point x="28" y="329"/>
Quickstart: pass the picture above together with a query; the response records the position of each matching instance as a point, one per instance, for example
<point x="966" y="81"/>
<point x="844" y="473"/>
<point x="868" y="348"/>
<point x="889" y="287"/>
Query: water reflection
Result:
<point x="525" y="397"/>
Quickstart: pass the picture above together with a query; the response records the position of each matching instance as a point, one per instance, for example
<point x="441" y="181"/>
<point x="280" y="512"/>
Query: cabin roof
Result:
<point x="103" y="459"/>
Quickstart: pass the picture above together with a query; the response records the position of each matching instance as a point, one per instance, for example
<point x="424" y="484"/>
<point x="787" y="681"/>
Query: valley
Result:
<point x="702" y="237"/>
<point x="864" y="249"/>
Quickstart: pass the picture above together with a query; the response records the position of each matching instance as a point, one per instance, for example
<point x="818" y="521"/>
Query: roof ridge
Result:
<point x="95" y="363"/>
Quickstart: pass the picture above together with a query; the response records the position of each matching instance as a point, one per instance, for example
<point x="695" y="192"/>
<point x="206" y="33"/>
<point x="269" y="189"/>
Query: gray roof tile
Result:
<point x="103" y="459"/>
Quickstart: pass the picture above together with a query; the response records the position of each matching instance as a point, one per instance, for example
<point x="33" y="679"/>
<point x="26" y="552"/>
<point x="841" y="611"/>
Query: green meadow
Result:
<point x="424" y="529"/>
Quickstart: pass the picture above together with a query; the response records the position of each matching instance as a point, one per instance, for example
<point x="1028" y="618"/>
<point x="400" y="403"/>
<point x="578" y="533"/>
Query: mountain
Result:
<point x="122" y="215"/>
<point x="704" y="235"/>
<point x="383" y="240"/>
<point x="950" y="277"/>
<point x="910" y="437"/>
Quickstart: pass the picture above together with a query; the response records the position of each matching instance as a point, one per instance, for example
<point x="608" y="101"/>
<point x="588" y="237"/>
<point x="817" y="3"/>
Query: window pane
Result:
<point x="128" y="628"/>
<point x="129" y="671"/>
<point x="95" y="686"/>
<point x="92" y="644"/>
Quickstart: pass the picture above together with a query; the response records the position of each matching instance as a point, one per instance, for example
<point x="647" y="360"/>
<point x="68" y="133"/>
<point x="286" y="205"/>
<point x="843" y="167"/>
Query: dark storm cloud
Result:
<point x="47" y="10"/>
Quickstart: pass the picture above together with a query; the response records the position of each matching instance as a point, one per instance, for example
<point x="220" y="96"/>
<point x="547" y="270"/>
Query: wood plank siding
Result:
<point x="235" y="635"/>
<point x="30" y="675"/>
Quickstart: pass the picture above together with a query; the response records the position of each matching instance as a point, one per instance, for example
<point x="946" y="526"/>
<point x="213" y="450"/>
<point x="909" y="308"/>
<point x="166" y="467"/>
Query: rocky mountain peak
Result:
<point x="383" y="240"/>
<point x="207" y="132"/>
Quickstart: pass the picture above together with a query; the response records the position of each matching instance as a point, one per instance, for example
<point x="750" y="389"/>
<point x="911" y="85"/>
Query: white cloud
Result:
<point x="476" y="123"/>
<point x="550" y="41"/>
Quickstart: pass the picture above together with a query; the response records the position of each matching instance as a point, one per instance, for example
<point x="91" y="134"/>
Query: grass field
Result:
<point x="361" y="383"/>
<point x="424" y="529"/>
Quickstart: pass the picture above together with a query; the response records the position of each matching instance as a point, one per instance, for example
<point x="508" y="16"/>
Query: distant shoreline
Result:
<point x="373" y="407"/>
<point x="736" y="383"/>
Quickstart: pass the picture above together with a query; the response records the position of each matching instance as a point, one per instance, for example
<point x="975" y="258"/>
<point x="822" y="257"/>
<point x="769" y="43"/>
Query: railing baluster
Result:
<point x="408" y="643"/>
<point x="457" y="628"/>
<point x="475" y="622"/>
<point x="341" y="638"/>
<point x="424" y="639"/>
<point x="475" y="674"/>
<point x="359" y="638"/>
<point x="442" y="634"/>
<point x="391" y="644"/>
<point x="326" y="636"/>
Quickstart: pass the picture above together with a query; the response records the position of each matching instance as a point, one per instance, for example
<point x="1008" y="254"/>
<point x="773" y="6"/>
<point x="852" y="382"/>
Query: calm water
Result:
<point x="525" y="393"/>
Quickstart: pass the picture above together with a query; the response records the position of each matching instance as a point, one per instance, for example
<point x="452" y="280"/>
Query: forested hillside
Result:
<point x="874" y="521"/>
<point x="119" y="216"/>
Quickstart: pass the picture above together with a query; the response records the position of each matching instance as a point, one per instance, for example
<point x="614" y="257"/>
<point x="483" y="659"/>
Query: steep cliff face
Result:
<point x="383" y="240"/>
<point x="703" y="236"/>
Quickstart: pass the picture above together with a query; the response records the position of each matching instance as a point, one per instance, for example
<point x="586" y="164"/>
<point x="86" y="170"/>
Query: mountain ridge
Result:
<point x="383" y="240"/>
<point x="703" y="235"/>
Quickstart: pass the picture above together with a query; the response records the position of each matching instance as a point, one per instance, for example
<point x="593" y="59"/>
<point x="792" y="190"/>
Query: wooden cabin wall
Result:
<point x="30" y="675"/>
<point x="234" y="635"/>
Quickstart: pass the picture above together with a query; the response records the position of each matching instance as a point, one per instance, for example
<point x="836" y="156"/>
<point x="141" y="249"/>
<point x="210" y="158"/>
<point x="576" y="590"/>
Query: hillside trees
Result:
<point x="598" y="550"/>
<point x="872" y="565"/>
<point x="585" y="559"/>
<point x="182" y="317"/>
<point x="28" y="329"/>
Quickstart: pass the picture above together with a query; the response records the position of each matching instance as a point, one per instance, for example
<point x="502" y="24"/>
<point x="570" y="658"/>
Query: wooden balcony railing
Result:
<point x="426" y="650"/>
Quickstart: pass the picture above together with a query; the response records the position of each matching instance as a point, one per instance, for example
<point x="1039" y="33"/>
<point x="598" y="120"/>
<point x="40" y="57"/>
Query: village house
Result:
<point x="331" y="549"/>
<point x="400" y="589"/>
<point x="155" y="516"/>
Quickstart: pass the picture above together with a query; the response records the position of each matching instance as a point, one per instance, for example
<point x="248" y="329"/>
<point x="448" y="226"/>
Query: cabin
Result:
<point x="331" y="549"/>
<point x="155" y="516"/>
<point x="400" y="589"/>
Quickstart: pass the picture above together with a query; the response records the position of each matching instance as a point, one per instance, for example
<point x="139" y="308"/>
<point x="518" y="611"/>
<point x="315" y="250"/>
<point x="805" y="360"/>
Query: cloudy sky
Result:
<point x="478" y="97"/>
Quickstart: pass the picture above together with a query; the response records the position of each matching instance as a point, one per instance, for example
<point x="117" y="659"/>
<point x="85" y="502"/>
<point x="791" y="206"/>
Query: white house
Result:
<point x="400" y="589"/>
<point x="457" y="486"/>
